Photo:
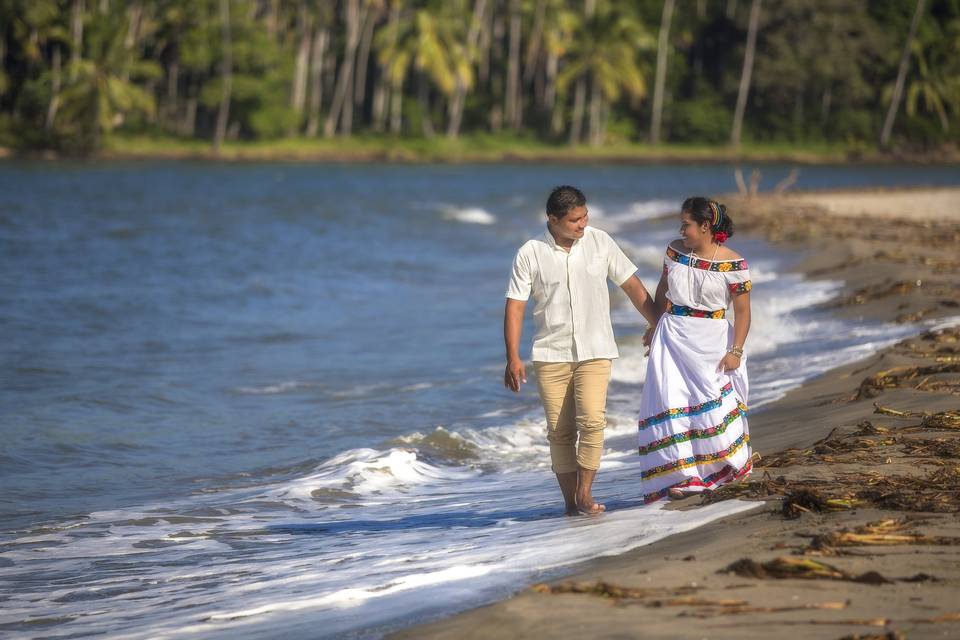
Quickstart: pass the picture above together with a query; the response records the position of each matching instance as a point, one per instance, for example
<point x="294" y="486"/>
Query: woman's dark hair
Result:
<point x="702" y="210"/>
<point x="564" y="198"/>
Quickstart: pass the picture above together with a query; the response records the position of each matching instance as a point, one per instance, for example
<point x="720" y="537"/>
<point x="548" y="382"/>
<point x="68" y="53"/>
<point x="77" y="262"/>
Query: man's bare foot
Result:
<point x="588" y="507"/>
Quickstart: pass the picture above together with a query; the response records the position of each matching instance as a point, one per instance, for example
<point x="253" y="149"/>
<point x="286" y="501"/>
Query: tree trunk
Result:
<point x="511" y="107"/>
<point x="596" y="114"/>
<point x="536" y="39"/>
<point x="745" y="74"/>
<point x="396" y="109"/>
<point x="273" y="19"/>
<point x="318" y="50"/>
<point x="298" y="93"/>
<point x="731" y="9"/>
<point x="226" y="71"/>
<point x="76" y="35"/>
<point x="663" y="48"/>
<point x="580" y="93"/>
<point x="550" y="101"/>
<point x="342" y="94"/>
<point x="576" y="124"/>
<point x="169" y="111"/>
<point x="424" y="96"/>
<point x="901" y="75"/>
<point x="381" y="93"/>
<point x="55" y="80"/>
<point x="189" y="126"/>
<point x="460" y="93"/>
<point x="360" y="84"/>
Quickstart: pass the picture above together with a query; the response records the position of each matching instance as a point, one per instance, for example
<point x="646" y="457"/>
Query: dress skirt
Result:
<point x="693" y="418"/>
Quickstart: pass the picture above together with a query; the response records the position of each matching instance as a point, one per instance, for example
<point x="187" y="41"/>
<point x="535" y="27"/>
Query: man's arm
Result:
<point x="641" y="299"/>
<point x="515" y="374"/>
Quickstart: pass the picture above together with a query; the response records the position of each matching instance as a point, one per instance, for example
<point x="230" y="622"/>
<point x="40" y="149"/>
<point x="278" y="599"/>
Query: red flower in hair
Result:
<point x="721" y="236"/>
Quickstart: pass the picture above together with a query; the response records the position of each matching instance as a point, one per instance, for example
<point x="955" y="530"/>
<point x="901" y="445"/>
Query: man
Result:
<point x="566" y="272"/>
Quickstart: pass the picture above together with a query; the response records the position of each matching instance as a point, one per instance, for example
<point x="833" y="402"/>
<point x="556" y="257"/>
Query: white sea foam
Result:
<point x="469" y="215"/>
<point x="613" y="220"/>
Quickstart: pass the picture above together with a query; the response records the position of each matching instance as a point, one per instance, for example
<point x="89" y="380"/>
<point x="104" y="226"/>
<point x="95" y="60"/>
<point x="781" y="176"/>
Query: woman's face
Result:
<point x="693" y="234"/>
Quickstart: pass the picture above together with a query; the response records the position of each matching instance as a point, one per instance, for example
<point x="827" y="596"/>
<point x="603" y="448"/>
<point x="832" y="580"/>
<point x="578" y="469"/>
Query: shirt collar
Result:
<point x="553" y="241"/>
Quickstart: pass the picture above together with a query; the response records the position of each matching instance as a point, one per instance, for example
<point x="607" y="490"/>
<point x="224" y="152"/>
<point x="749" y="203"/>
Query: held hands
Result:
<point x="647" y="339"/>
<point x="514" y="375"/>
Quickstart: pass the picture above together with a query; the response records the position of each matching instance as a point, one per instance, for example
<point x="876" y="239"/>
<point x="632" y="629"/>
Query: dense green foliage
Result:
<point x="550" y="71"/>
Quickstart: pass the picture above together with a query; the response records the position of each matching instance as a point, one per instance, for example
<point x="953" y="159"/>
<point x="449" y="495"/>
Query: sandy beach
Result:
<point x="856" y="531"/>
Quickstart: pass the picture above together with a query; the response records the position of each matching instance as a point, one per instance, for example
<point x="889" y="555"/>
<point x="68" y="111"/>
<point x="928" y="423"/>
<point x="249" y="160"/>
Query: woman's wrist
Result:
<point x="736" y="350"/>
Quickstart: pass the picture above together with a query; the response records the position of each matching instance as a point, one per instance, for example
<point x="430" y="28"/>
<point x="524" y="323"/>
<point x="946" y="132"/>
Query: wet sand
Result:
<point x="856" y="533"/>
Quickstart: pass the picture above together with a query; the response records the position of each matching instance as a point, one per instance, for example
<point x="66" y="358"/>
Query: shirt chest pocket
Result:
<point x="597" y="267"/>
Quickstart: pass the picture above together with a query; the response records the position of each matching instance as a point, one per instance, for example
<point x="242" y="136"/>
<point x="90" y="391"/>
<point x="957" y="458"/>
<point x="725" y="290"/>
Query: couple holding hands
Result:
<point x="693" y="428"/>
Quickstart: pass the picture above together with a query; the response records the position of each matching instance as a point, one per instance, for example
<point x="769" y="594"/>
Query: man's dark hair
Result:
<point x="564" y="198"/>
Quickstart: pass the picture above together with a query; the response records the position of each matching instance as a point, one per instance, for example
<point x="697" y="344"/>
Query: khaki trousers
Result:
<point x="574" y="396"/>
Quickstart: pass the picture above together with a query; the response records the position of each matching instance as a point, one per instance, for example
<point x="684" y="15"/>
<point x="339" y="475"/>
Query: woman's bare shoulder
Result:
<point x="726" y="253"/>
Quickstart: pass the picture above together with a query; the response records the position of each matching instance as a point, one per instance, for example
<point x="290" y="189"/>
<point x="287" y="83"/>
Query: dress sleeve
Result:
<point x="738" y="281"/>
<point x="521" y="277"/>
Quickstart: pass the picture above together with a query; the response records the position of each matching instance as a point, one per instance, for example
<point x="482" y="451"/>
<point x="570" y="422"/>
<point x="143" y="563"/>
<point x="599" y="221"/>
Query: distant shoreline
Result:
<point x="478" y="150"/>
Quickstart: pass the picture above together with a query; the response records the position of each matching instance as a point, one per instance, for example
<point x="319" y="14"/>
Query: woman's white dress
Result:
<point x="693" y="418"/>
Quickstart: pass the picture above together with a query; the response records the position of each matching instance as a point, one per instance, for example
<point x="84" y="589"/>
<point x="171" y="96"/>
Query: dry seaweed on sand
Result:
<point x="874" y="385"/>
<point x="798" y="568"/>
<point x="610" y="590"/>
<point x="890" y="635"/>
<point x="889" y="532"/>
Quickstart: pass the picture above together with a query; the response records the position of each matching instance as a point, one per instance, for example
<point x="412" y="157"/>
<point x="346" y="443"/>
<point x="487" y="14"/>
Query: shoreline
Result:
<point x="475" y="150"/>
<point x="823" y="438"/>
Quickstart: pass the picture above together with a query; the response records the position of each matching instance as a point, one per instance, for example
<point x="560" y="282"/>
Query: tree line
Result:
<point x="856" y="72"/>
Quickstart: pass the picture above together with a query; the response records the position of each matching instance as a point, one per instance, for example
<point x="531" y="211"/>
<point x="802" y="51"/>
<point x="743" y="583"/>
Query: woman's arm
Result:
<point x="741" y="327"/>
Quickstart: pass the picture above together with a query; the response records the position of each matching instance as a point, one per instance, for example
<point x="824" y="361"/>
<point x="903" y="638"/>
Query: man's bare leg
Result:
<point x="568" y="486"/>
<point x="585" y="503"/>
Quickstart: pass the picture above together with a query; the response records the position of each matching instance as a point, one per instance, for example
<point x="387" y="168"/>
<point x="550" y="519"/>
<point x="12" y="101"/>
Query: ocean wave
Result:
<point x="469" y="215"/>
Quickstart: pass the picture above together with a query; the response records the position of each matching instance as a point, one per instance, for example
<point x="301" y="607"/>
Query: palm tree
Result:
<point x="663" y="47"/>
<point x="932" y="86"/>
<point x="101" y="92"/>
<point x="745" y="74"/>
<point x="429" y="40"/>
<point x="605" y="50"/>
<point x="901" y="74"/>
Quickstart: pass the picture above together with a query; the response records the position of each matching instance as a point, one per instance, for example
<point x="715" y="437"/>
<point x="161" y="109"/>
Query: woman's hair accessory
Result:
<point x="716" y="215"/>
<point x="720" y="237"/>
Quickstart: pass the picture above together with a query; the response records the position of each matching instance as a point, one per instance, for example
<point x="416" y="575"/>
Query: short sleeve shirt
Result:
<point x="571" y="300"/>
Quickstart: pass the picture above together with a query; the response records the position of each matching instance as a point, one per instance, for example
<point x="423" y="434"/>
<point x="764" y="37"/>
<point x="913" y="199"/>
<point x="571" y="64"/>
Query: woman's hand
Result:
<point x="729" y="363"/>
<point x="648" y="337"/>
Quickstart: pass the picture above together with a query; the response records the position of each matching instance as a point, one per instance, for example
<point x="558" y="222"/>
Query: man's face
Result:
<point x="570" y="226"/>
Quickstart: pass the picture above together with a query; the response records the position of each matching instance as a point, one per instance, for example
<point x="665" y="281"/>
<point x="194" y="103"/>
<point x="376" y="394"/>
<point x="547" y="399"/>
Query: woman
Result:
<point x="693" y="425"/>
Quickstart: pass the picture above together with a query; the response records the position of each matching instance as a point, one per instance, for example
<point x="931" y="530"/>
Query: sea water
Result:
<point x="248" y="400"/>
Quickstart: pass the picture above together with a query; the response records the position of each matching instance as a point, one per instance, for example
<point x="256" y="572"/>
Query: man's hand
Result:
<point x="514" y="375"/>
<point x="647" y="339"/>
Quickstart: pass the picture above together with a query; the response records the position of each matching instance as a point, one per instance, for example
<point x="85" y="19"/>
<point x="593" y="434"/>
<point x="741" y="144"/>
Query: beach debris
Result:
<point x="610" y="590"/>
<point x="890" y="635"/>
<point x="876" y="384"/>
<point x="786" y="567"/>
<point x="733" y="609"/>
<point x="889" y="532"/>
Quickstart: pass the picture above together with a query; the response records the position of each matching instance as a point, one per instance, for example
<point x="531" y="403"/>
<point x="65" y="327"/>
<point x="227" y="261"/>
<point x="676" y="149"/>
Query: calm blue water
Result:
<point x="249" y="351"/>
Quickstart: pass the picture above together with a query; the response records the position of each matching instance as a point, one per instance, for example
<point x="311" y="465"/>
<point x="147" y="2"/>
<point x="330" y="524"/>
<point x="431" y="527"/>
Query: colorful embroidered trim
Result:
<point x="692" y="461"/>
<point x="736" y="288"/>
<point x="697" y="409"/>
<point x="690" y="312"/>
<point x="696" y="434"/>
<point x="708" y="265"/>
<point x="709" y="482"/>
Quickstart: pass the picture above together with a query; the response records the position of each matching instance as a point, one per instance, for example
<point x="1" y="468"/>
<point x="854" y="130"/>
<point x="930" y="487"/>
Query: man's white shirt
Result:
<point x="571" y="307"/>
